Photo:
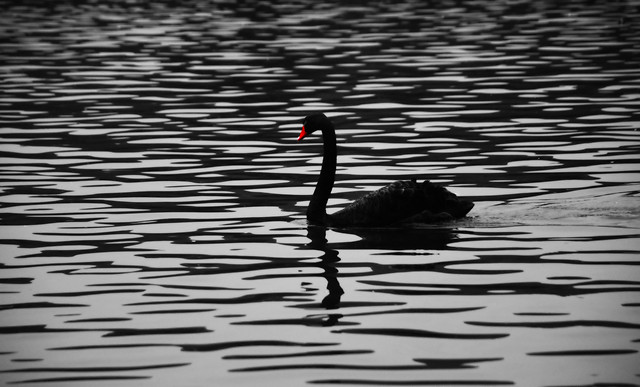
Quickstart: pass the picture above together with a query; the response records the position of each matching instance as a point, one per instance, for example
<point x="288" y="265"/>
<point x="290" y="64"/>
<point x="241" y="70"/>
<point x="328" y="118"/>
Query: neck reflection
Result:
<point x="328" y="262"/>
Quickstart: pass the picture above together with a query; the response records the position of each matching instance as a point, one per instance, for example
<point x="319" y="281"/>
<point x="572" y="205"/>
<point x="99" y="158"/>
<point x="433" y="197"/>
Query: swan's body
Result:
<point x="401" y="202"/>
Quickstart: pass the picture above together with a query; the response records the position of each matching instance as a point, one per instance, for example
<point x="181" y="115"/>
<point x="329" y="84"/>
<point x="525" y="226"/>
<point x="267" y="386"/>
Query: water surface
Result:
<point x="153" y="193"/>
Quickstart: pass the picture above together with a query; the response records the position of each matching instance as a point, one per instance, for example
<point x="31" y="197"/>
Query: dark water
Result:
<point x="152" y="229"/>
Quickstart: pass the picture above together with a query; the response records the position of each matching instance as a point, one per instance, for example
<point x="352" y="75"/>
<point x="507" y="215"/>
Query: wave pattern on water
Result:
<point x="153" y="193"/>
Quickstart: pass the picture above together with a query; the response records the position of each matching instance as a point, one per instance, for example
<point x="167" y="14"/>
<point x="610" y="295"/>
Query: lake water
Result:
<point x="153" y="193"/>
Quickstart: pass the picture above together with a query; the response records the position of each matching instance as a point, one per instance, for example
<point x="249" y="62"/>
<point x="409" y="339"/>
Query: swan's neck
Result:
<point x="317" y="210"/>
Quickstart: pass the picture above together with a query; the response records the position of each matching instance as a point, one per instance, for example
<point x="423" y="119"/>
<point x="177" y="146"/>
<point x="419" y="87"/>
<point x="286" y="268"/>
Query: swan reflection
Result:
<point x="400" y="240"/>
<point x="328" y="261"/>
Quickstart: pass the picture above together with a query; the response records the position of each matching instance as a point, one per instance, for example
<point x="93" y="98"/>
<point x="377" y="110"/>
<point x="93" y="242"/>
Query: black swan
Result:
<point x="399" y="203"/>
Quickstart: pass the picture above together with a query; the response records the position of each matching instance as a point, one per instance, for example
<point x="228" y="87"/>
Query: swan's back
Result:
<point x="402" y="202"/>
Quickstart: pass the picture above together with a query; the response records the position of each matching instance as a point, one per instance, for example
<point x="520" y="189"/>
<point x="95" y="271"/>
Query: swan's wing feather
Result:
<point x="399" y="201"/>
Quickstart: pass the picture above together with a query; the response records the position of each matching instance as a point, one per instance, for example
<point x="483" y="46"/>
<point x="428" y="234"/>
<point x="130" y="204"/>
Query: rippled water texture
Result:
<point x="153" y="193"/>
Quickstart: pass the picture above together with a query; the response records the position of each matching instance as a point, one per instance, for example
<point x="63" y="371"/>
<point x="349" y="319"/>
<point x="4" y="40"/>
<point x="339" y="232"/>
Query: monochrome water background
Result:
<point x="153" y="193"/>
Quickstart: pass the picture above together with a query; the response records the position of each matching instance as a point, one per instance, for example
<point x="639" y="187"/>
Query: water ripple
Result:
<point x="153" y="193"/>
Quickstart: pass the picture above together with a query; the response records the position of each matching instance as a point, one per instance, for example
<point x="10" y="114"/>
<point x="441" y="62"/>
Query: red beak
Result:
<point x="303" y="133"/>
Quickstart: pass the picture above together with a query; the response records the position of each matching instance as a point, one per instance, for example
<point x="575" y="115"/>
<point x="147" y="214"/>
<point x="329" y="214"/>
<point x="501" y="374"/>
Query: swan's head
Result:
<point x="312" y="123"/>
